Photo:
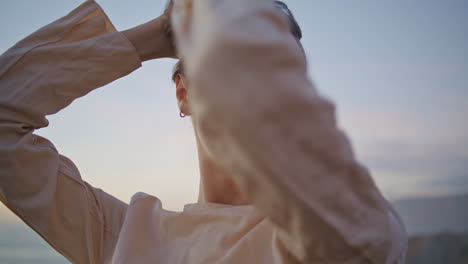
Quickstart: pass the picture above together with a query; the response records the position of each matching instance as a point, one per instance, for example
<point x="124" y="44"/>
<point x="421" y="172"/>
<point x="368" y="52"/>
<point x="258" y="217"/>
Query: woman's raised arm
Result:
<point x="261" y="118"/>
<point x="39" y="76"/>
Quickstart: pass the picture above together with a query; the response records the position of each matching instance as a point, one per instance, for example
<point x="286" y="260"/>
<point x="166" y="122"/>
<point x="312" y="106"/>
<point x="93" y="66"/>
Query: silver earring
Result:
<point x="181" y="114"/>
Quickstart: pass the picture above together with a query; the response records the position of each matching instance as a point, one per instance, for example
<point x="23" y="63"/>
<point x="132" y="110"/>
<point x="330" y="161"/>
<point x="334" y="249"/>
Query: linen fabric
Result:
<point x="312" y="201"/>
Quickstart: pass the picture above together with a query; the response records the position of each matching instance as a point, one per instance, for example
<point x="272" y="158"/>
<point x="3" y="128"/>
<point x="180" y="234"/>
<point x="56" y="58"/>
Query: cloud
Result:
<point x="410" y="154"/>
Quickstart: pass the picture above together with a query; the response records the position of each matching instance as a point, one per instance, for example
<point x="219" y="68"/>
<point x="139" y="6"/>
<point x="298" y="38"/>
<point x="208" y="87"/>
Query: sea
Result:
<point x="20" y="245"/>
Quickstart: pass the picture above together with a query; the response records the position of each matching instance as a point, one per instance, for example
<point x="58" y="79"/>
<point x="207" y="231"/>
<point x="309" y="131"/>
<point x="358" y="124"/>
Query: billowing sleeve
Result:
<point x="262" y="119"/>
<point x="39" y="76"/>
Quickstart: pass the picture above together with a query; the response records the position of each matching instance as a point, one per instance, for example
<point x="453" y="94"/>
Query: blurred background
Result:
<point x="398" y="71"/>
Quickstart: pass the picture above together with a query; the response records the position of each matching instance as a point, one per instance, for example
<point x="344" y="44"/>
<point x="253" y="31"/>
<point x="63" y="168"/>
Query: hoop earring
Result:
<point x="181" y="114"/>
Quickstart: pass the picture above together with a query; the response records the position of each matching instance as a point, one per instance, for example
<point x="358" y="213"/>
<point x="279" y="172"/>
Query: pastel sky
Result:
<point x="398" y="71"/>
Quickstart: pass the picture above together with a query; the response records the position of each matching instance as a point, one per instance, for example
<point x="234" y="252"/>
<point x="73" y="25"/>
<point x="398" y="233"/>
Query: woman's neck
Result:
<point x="216" y="185"/>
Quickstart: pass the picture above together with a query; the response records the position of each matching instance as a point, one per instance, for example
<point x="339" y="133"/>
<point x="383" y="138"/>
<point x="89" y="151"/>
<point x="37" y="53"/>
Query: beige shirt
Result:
<point x="267" y="125"/>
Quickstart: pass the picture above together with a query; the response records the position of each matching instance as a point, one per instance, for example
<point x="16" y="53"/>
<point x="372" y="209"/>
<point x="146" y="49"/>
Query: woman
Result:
<point x="279" y="181"/>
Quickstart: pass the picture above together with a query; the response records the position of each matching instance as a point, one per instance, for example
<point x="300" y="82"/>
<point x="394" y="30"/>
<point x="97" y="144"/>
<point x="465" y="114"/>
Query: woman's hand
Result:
<point x="153" y="39"/>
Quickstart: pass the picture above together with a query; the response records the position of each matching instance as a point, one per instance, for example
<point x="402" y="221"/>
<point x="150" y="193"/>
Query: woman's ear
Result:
<point x="182" y="94"/>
